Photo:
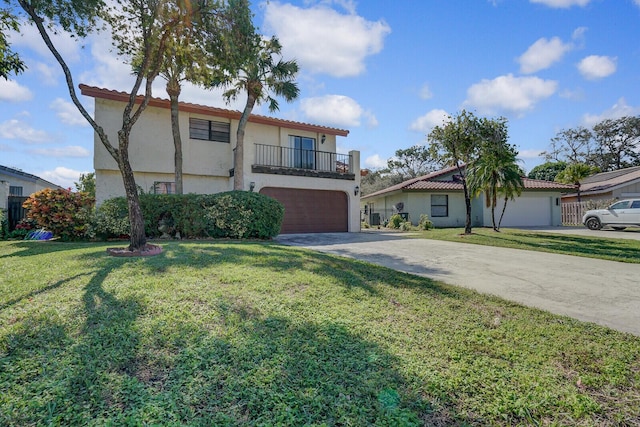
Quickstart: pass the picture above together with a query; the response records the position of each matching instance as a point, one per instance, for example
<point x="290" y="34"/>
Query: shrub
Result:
<point x="395" y="221"/>
<point x="24" y="227"/>
<point x="4" y="224"/>
<point x="406" y="226"/>
<point x="425" y="223"/>
<point x="237" y="214"/>
<point x="243" y="214"/>
<point x="111" y="219"/>
<point x="62" y="212"/>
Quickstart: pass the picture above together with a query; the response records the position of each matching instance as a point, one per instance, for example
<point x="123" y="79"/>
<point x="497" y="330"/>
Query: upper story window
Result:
<point x="209" y="130"/>
<point x="15" y="190"/>
<point x="164" y="187"/>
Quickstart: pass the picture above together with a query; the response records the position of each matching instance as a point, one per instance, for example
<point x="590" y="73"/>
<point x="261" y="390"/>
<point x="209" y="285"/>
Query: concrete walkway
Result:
<point x="603" y="292"/>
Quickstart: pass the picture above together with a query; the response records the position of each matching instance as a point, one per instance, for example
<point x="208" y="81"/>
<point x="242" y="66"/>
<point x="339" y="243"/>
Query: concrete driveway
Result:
<point x="603" y="292"/>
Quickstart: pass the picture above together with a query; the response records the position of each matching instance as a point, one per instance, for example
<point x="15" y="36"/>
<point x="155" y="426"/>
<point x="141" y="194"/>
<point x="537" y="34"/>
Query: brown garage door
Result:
<point x="311" y="211"/>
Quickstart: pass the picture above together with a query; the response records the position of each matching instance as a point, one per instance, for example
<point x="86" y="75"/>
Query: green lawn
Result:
<point x="623" y="250"/>
<point x="224" y="333"/>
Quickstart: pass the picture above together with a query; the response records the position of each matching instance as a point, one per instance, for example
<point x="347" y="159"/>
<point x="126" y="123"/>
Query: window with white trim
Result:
<point x="15" y="190"/>
<point x="209" y="130"/>
<point x="439" y="205"/>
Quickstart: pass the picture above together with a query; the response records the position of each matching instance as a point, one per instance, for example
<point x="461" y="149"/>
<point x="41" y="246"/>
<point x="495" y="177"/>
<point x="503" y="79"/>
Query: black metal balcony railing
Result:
<point x="297" y="158"/>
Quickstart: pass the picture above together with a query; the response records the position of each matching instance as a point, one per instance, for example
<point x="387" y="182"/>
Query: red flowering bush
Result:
<point x="64" y="213"/>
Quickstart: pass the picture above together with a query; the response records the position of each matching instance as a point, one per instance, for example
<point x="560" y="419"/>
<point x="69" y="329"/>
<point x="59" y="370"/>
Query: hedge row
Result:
<point x="234" y="214"/>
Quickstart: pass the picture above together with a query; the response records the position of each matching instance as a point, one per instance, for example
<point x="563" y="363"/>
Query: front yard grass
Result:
<point x="622" y="250"/>
<point x="224" y="333"/>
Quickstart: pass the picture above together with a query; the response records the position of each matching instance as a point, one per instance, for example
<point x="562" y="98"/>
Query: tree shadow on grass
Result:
<point x="28" y="248"/>
<point x="570" y="244"/>
<point x="277" y="260"/>
<point x="240" y="367"/>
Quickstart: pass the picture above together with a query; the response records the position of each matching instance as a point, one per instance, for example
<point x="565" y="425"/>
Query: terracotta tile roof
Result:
<point x="430" y="183"/>
<point x="114" y="95"/>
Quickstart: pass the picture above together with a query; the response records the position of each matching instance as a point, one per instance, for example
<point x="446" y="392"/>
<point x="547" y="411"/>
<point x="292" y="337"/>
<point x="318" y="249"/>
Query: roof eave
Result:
<point x="112" y="95"/>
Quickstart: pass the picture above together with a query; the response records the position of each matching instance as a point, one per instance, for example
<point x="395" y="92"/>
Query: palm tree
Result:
<point x="574" y="173"/>
<point x="496" y="174"/>
<point x="262" y="78"/>
<point x="495" y="171"/>
<point x="510" y="187"/>
<point x="187" y="58"/>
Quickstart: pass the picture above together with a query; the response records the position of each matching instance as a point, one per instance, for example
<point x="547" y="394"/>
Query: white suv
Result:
<point x="620" y="215"/>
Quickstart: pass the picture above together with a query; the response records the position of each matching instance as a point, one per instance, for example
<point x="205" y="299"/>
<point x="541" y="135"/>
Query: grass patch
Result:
<point x="222" y="333"/>
<point x="622" y="250"/>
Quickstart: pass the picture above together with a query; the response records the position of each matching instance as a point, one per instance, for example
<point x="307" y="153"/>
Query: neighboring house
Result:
<point x="296" y="163"/>
<point x="440" y="196"/>
<point x="606" y="186"/>
<point x="15" y="187"/>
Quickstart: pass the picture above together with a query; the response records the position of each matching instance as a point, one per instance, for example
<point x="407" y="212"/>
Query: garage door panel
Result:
<point x="526" y="211"/>
<point x="311" y="211"/>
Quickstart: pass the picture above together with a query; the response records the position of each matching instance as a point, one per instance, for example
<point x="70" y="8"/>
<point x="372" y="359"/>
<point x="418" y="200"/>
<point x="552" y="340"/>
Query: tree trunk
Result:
<point x="173" y="90"/>
<point x="137" y="236"/>
<point x="238" y="161"/>
<point x="504" y="208"/>
<point x="467" y="201"/>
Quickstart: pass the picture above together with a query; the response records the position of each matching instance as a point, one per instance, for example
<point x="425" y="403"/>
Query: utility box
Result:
<point x="374" y="218"/>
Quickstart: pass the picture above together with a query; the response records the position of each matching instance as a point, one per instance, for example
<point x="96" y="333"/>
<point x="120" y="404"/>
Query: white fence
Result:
<point x="572" y="212"/>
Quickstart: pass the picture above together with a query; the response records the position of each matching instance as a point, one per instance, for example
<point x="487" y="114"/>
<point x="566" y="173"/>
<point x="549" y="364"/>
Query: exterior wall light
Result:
<point x="323" y="139"/>
<point x="356" y="190"/>
<point x="252" y="185"/>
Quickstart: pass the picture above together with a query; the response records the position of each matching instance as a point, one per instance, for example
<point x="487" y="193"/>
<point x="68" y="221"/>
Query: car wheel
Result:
<point x="593" y="223"/>
<point x="618" y="228"/>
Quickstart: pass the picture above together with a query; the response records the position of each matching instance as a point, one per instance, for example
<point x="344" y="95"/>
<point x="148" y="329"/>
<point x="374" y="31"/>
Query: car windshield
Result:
<point x="620" y="205"/>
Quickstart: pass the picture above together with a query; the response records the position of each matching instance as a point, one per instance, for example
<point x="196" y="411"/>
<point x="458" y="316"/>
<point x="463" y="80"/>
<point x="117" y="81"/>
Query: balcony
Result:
<point x="300" y="162"/>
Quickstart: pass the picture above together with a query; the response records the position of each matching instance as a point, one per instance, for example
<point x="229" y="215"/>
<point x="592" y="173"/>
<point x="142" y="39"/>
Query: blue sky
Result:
<point x="386" y="73"/>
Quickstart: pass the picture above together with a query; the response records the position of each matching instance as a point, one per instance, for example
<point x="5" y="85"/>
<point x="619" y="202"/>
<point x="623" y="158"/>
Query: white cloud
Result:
<point x="323" y="40"/>
<point x="15" y="129"/>
<point x="62" y="176"/>
<point x="597" y="67"/>
<point x="562" y="4"/>
<point x="425" y="91"/>
<point x="70" y="151"/>
<point x="109" y="70"/>
<point x="637" y="2"/>
<point x="335" y="110"/>
<point x="617" y="110"/>
<point x="509" y="93"/>
<point x="433" y="118"/>
<point x="542" y="54"/>
<point x="529" y="154"/>
<point x="30" y="38"/>
<point x="68" y="113"/>
<point x="12" y="91"/>
<point x="49" y="74"/>
<point x="375" y="162"/>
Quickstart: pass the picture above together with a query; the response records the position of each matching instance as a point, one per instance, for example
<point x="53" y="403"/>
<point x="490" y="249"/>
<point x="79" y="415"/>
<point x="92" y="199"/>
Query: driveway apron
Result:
<point x="592" y="290"/>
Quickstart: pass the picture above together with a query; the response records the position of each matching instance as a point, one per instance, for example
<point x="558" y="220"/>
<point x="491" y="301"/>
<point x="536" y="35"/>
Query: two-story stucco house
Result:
<point x="294" y="162"/>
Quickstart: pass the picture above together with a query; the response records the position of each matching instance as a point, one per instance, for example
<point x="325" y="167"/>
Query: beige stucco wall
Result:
<point x="206" y="164"/>
<point x="418" y="203"/>
<point x="548" y="201"/>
